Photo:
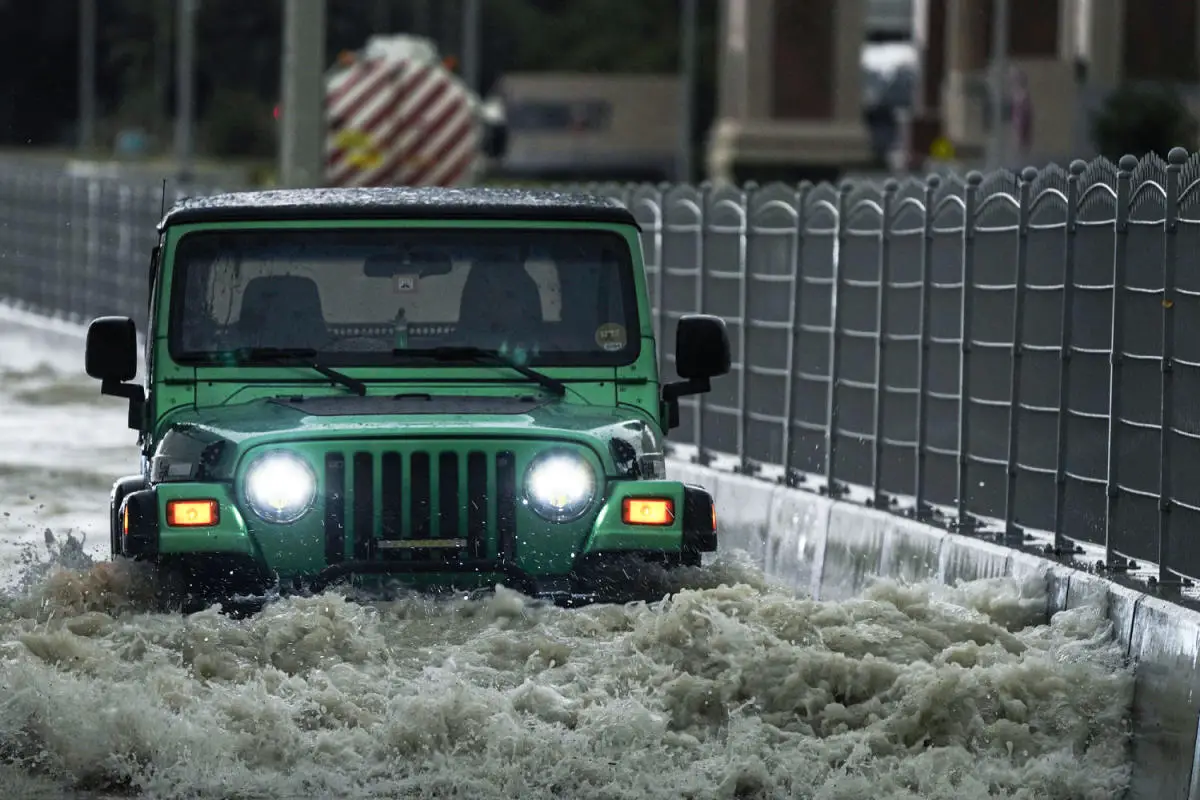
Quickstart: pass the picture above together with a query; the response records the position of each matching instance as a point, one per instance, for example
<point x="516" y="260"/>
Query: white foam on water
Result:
<point x="729" y="689"/>
<point x="63" y="445"/>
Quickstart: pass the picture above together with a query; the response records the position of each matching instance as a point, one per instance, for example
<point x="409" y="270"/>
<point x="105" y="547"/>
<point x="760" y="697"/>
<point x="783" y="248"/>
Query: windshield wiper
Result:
<point x="480" y="354"/>
<point x="304" y="355"/>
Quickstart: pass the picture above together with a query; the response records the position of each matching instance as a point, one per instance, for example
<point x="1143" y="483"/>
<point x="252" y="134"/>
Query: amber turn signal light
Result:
<point x="192" y="513"/>
<point x="648" y="511"/>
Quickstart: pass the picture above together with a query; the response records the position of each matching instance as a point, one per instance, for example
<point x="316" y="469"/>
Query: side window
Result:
<point x="153" y="281"/>
<point x="152" y="275"/>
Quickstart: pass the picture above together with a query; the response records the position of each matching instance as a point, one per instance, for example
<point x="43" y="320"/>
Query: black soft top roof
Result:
<point x="429" y="203"/>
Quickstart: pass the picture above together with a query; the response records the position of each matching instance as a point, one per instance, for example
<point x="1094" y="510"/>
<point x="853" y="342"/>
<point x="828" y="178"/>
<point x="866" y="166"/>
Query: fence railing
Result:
<point x="881" y="333"/>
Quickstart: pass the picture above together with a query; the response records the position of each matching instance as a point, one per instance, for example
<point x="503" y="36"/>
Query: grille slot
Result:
<point x="335" y="508"/>
<point x="506" y="505"/>
<point x="477" y="505"/>
<point x="364" y="505"/>
<point x="392" y="505"/>
<point x="430" y="498"/>
<point x="449" y="507"/>
<point x="420" y="513"/>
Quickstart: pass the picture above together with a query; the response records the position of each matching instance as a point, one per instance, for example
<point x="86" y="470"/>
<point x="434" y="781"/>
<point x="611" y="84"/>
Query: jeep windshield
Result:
<point x="395" y="295"/>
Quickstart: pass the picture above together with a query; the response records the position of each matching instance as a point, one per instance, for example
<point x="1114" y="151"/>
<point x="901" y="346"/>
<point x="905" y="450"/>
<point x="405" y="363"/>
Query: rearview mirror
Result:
<point x="111" y="355"/>
<point x="702" y="352"/>
<point x="421" y="262"/>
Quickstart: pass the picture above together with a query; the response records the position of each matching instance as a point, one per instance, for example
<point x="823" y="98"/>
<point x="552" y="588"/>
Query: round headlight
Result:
<point x="559" y="486"/>
<point x="280" y="486"/>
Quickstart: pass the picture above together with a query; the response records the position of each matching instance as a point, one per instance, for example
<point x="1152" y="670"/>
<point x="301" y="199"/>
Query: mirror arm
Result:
<point x="129" y="391"/>
<point x="671" y="393"/>
<point x="677" y="389"/>
<point x="136" y="396"/>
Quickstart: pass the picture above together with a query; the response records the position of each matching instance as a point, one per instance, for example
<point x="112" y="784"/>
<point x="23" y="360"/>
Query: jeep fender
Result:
<point x="699" y="520"/>
<point x="140" y="509"/>
<point x="120" y="490"/>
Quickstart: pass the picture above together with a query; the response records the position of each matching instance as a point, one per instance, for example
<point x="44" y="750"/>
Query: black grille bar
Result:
<point x="364" y="505"/>
<point x="391" y="523"/>
<point x="448" y="506"/>
<point x="335" y="508"/>
<point x="506" y="505"/>
<point x="477" y="505"/>
<point x="420" y="503"/>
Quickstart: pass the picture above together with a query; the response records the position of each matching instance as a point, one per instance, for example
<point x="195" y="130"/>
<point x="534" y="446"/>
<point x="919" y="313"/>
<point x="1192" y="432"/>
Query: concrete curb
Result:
<point x="833" y="550"/>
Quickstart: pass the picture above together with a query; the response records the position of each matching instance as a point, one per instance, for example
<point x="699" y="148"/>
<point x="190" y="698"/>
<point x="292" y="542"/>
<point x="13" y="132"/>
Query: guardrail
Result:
<point x="879" y="332"/>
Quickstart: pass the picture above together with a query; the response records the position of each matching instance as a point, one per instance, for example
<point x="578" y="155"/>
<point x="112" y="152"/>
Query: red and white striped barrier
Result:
<point x="400" y="122"/>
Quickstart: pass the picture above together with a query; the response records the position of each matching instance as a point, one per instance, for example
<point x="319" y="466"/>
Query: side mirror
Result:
<point x="111" y="353"/>
<point x="701" y="347"/>
<point x="111" y="357"/>
<point x="702" y="353"/>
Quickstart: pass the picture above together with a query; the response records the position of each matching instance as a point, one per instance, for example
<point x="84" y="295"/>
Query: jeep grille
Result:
<point x="420" y="505"/>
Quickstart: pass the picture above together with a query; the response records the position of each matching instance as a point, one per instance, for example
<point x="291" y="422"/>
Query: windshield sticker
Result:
<point x="406" y="283"/>
<point x="611" y="336"/>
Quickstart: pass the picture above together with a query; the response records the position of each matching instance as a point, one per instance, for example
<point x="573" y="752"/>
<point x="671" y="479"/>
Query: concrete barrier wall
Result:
<point x="832" y="550"/>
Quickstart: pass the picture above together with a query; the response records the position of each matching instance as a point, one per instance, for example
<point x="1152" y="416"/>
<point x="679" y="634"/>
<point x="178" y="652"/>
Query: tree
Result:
<point x="1138" y="119"/>
<point x="238" y="44"/>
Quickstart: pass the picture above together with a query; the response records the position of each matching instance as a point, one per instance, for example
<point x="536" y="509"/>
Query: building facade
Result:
<point x="790" y="102"/>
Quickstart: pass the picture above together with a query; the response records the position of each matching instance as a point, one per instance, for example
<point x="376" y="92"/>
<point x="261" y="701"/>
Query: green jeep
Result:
<point x="441" y="389"/>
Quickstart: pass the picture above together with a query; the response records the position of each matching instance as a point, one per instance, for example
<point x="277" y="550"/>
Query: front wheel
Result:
<point x="630" y="577"/>
<point x="173" y="590"/>
<point x="188" y="585"/>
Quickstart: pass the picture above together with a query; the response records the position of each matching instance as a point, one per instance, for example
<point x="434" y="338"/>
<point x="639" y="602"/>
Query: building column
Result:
<point x="929" y="29"/>
<point x="1160" y="43"/>
<point x="790" y="94"/>
<point x="964" y="89"/>
<point x="1038" y="30"/>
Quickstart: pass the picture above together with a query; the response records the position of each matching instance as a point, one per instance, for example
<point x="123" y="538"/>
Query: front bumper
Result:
<point x="530" y="556"/>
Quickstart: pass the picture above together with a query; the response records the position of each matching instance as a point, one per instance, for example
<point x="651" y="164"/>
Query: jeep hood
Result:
<point x="216" y="437"/>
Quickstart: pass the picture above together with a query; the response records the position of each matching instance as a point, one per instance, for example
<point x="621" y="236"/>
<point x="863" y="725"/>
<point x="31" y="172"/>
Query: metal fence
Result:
<point x="880" y="333"/>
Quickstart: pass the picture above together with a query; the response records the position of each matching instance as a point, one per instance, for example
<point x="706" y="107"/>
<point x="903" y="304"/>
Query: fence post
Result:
<point x="745" y="466"/>
<point x="792" y="477"/>
<point x="79" y="257"/>
<point x="964" y="522"/>
<point x="62" y="230"/>
<point x="921" y="509"/>
<point x="36" y="289"/>
<point x="1013" y="536"/>
<point x="93" y="255"/>
<point x="835" y="347"/>
<point x="124" y="284"/>
<point x="702" y="457"/>
<point x="1066" y="343"/>
<point x="1175" y="161"/>
<point x="1116" y="358"/>
<point x="890" y="186"/>
<point x="659" y="312"/>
